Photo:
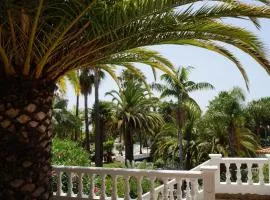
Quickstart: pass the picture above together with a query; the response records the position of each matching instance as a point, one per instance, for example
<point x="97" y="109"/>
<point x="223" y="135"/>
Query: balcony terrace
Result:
<point x="216" y="178"/>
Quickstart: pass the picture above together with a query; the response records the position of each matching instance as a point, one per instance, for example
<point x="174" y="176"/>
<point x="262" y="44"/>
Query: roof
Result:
<point x="265" y="150"/>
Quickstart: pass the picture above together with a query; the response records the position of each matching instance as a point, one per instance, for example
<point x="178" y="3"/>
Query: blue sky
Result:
<point x="210" y="67"/>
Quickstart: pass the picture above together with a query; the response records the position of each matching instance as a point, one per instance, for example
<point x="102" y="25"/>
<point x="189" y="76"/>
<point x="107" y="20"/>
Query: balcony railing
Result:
<point x="216" y="176"/>
<point x="241" y="175"/>
<point x="164" y="184"/>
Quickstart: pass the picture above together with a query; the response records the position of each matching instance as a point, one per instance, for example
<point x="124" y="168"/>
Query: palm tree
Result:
<point x="166" y="143"/>
<point x="106" y="119"/>
<point x="179" y="86"/>
<point x="228" y="113"/>
<point x="98" y="75"/>
<point x="73" y="79"/>
<point x="127" y="60"/>
<point x="134" y="114"/>
<point x="41" y="41"/>
<point x="86" y="84"/>
<point x="64" y="120"/>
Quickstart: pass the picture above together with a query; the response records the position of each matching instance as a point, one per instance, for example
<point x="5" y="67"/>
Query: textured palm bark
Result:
<point x="128" y="146"/>
<point x="98" y="136"/>
<point x="231" y="139"/>
<point x="25" y="139"/>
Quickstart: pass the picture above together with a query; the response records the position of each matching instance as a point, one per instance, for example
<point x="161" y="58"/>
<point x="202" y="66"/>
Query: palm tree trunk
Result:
<point x="140" y="136"/>
<point x="26" y="138"/>
<point x="86" y="121"/>
<point x="77" y="115"/>
<point x="129" y="157"/>
<point x="98" y="136"/>
<point x="231" y="139"/>
<point x="180" y="119"/>
<point x="188" y="160"/>
<point x="180" y="139"/>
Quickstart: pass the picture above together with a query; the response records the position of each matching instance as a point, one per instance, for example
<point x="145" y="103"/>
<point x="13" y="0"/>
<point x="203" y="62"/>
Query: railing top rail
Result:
<point x="198" y="168"/>
<point x="129" y="172"/>
<point x="244" y="160"/>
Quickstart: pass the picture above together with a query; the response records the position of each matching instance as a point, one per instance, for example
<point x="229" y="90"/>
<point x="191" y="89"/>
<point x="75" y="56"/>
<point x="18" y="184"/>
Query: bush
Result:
<point x="66" y="152"/>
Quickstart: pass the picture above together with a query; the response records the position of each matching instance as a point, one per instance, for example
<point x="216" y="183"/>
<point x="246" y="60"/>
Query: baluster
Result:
<point x="171" y="195"/>
<point x="188" y="195"/>
<point x="165" y="190"/>
<point x="238" y="173"/>
<point x="127" y="190"/>
<point x="152" y="191"/>
<point x="228" y="173"/>
<point x="70" y="185"/>
<point x="179" y="189"/>
<point x="92" y="186"/>
<point x="114" y="187"/>
<point x="103" y="187"/>
<point x="194" y="188"/>
<point x="261" y="176"/>
<point x="249" y="175"/>
<point x="59" y="183"/>
<point x="139" y="182"/>
<point x="80" y="186"/>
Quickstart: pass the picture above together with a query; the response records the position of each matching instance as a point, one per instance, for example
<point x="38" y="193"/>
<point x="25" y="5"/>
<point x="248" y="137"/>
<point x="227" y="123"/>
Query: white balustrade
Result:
<point x="173" y="184"/>
<point x="241" y="175"/>
<point x="217" y="175"/>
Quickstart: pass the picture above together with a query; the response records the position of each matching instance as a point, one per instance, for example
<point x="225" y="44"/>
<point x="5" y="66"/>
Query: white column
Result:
<point x="103" y="187"/>
<point x="70" y="185"/>
<point x="80" y="186"/>
<point x="209" y="181"/>
<point x="228" y="173"/>
<point x="152" y="191"/>
<point x="215" y="160"/>
<point x="114" y="187"/>
<point x="127" y="189"/>
<point x="165" y="190"/>
<point x="139" y="185"/>
<point x="188" y="191"/>
<point x="261" y="176"/>
<point x="238" y="173"/>
<point x="179" y="189"/>
<point x="59" y="183"/>
<point x="249" y="166"/>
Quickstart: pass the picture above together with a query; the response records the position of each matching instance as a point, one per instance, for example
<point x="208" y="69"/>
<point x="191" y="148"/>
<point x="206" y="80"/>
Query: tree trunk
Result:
<point x="180" y="139"/>
<point x="25" y="144"/>
<point x="188" y="161"/>
<point x="128" y="146"/>
<point x="231" y="139"/>
<point x="86" y="121"/>
<point x="140" y="136"/>
<point x="180" y="121"/>
<point x="98" y="136"/>
<point x="77" y="132"/>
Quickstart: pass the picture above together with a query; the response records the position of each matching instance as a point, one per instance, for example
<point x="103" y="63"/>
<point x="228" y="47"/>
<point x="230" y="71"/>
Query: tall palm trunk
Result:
<point x="86" y="121"/>
<point x="140" y="138"/>
<point x="188" y="161"/>
<point x="98" y="136"/>
<point x="77" y="132"/>
<point x="180" y="139"/>
<point x="180" y="134"/>
<point x="26" y="134"/>
<point x="128" y="146"/>
<point x="231" y="139"/>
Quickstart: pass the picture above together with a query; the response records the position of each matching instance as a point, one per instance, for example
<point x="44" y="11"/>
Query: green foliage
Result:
<point x="108" y="145"/>
<point x="65" y="122"/>
<point x="134" y="113"/>
<point x="227" y="111"/>
<point x="66" y="152"/>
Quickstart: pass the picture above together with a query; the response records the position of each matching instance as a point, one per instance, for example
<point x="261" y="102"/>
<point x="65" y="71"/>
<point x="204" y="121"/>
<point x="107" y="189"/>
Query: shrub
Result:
<point x="66" y="152"/>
